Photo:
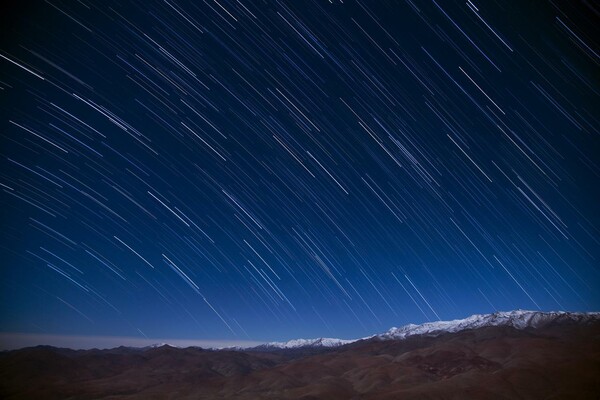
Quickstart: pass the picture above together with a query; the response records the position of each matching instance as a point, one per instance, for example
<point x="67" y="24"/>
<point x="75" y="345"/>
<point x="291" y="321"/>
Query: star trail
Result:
<point x="257" y="170"/>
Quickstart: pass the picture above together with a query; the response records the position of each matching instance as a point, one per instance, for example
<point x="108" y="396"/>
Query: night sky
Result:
<point x="248" y="170"/>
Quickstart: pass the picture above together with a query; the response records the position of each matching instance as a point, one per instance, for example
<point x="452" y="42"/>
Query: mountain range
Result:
<point x="505" y="355"/>
<point x="518" y="319"/>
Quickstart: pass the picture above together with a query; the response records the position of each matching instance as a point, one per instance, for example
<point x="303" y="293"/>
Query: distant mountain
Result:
<point x="518" y="319"/>
<point x="505" y="355"/>
<point x="303" y="343"/>
<point x="157" y="345"/>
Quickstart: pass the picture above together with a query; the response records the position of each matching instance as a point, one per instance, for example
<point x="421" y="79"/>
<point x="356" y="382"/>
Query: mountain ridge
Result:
<point x="520" y="354"/>
<point x="519" y="319"/>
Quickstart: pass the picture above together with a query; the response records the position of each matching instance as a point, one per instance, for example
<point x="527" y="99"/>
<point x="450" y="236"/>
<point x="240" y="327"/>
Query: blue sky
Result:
<point x="257" y="171"/>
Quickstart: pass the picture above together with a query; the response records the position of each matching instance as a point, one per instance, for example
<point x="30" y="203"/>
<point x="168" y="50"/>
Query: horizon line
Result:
<point x="20" y="340"/>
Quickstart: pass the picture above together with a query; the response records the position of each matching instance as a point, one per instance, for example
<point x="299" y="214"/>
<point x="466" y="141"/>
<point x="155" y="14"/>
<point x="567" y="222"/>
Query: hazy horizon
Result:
<point x="19" y="340"/>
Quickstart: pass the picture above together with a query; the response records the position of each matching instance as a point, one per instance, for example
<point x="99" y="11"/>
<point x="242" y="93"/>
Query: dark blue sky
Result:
<point x="271" y="170"/>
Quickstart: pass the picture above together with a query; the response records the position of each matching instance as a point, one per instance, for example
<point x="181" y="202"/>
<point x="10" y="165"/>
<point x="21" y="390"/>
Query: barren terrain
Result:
<point x="556" y="362"/>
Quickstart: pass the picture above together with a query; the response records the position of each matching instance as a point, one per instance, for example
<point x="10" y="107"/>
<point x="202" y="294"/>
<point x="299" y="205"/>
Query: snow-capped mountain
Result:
<point x="519" y="319"/>
<point x="303" y="343"/>
<point x="158" y="345"/>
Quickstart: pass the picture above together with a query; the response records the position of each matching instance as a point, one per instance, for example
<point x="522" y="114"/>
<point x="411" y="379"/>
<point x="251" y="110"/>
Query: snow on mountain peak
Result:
<point x="158" y="345"/>
<point x="519" y="319"/>
<point x="300" y="343"/>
